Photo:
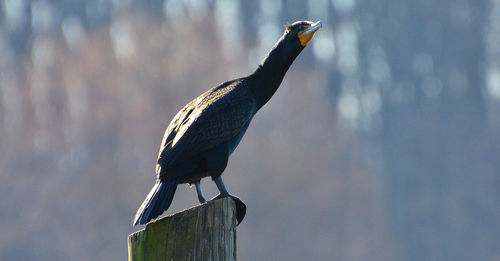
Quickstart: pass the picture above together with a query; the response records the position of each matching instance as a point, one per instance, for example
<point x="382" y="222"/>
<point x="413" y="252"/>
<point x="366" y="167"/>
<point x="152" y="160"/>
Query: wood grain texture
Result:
<point x="205" y="232"/>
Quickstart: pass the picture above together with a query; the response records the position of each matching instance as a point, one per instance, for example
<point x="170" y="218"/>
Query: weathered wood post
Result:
<point x="205" y="232"/>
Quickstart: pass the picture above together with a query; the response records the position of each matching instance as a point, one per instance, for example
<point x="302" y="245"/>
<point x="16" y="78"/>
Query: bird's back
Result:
<point x="214" y="117"/>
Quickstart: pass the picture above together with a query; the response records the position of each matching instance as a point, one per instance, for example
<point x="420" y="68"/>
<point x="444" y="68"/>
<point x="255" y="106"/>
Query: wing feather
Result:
<point x="213" y="118"/>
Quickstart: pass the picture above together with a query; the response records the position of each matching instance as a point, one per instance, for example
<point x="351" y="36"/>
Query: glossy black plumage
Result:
<point x="203" y="134"/>
<point x="212" y="122"/>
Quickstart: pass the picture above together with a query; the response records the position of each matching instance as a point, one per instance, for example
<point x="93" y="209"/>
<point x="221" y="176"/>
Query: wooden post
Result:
<point x="205" y="232"/>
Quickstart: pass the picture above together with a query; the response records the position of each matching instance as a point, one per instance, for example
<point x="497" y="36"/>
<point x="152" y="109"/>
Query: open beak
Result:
<point x="306" y="35"/>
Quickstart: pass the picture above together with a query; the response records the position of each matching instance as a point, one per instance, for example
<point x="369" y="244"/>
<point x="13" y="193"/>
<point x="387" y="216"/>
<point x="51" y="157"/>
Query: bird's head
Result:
<point x="286" y="49"/>
<point x="301" y="32"/>
<point x="276" y="63"/>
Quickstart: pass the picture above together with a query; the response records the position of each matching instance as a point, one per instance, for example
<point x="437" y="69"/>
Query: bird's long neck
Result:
<point x="271" y="71"/>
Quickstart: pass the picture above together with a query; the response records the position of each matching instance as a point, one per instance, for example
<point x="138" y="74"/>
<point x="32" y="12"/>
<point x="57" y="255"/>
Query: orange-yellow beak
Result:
<point x="306" y="35"/>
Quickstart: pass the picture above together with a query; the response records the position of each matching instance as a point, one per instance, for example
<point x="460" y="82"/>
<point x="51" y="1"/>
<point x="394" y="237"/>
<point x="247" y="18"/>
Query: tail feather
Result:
<point x="158" y="200"/>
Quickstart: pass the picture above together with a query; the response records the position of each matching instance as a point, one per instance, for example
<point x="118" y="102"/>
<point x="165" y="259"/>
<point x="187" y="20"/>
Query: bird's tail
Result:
<point x="157" y="201"/>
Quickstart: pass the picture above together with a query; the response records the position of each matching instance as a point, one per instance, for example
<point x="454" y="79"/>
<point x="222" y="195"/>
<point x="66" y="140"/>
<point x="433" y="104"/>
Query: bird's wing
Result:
<point x="213" y="118"/>
<point x="177" y="122"/>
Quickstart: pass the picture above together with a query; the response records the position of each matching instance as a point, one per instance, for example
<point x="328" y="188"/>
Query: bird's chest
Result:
<point x="233" y="143"/>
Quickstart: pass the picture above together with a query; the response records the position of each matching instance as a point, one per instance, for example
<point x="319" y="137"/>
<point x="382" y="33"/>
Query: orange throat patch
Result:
<point x="305" y="38"/>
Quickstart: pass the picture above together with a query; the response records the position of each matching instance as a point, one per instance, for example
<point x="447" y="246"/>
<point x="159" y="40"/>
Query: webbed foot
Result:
<point x="241" y="208"/>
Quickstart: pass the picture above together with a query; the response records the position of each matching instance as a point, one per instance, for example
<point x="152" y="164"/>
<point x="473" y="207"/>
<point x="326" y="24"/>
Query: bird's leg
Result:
<point x="221" y="187"/>
<point x="199" y="191"/>
<point x="241" y="208"/>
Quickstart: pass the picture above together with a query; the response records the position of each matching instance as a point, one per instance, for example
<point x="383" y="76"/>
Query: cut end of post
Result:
<point x="204" y="232"/>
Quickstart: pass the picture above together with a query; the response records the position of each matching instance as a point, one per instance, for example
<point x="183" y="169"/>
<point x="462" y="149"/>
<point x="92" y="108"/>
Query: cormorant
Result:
<point x="202" y="136"/>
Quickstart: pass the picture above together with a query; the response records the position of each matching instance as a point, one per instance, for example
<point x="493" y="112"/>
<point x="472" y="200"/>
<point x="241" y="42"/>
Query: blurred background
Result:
<point x="382" y="143"/>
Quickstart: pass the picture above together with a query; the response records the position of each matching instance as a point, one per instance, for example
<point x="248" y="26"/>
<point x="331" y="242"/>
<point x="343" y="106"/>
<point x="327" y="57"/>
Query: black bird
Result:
<point x="200" y="138"/>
